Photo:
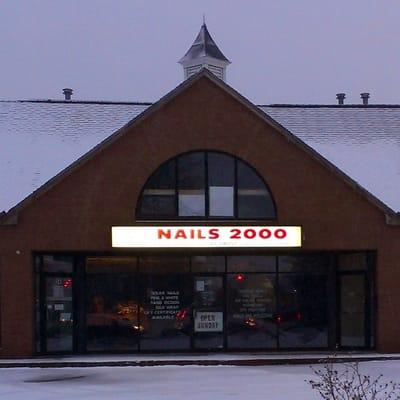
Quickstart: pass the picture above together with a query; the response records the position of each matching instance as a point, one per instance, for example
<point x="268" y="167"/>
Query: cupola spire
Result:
<point x="204" y="53"/>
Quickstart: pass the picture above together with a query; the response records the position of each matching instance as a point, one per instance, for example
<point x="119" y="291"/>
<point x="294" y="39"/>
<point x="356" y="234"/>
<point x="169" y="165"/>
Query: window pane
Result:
<point x="166" y="302"/>
<point x="251" y="311"/>
<point x="163" y="264"/>
<point x="251" y="264"/>
<point x="353" y="262"/>
<point x="352" y="310"/>
<point x="191" y="172"/>
<point x="114" y="317"/>
<point x="208" y="264"/>
<point x="56" y="263"/>
<point x="221" y="201"/>
<point x="158" y="206"/>
<point x="163" y="178"/>
<point x="221" y="169"/>
<point x="302" y="316"/>
<point x="313" y="263"/>
<point x="208" y="312"/>
<point x="254" y="200"/>
<point x="221" y="179"/>
<point x="158" y="198"/>
<point x="59" y="314"/>
<point x="191" y="203"/>
<point x="255" y="205"/>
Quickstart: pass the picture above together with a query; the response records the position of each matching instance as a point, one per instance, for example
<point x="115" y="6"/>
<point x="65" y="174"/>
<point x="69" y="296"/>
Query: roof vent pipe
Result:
<point x="340" y="97"/>
<point x="67" y="93"/>
<point x="365" y="97"/>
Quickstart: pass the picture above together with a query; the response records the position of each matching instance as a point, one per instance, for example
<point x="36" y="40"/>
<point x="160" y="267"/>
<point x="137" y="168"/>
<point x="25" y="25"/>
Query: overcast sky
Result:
<point x="282" y="51"/>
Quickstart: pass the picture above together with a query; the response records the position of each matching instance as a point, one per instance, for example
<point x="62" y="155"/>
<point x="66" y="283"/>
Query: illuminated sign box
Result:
<point x="205" y="236"/>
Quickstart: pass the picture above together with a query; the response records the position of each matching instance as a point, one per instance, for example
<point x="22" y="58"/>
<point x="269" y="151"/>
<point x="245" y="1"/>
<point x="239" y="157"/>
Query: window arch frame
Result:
<point x="206" y="217"/>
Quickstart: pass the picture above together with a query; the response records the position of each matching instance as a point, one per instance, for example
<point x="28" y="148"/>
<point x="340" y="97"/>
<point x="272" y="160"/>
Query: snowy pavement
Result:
<point x="171" y="382"/>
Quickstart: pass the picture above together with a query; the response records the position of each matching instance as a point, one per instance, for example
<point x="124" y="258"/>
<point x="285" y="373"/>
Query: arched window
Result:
<point x="205" y="185"/>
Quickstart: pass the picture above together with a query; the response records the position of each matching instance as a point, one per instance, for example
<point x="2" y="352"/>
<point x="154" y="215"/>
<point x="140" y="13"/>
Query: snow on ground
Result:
<point x="281" y="382"/>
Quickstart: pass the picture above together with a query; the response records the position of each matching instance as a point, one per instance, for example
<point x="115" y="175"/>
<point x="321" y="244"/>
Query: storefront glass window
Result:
<point x="113" y="317"/>
<point x="251" y="317"/>
<point x="166" y="301"/>
<point x="208" y="312"/>
<point x="302" y="316"/>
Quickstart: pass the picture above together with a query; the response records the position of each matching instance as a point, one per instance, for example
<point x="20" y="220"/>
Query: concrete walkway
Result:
<point x="249" y="359"/>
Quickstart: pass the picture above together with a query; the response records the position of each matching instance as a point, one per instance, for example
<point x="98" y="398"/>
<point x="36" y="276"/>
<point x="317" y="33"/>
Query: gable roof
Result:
<point x="41" y="138"/>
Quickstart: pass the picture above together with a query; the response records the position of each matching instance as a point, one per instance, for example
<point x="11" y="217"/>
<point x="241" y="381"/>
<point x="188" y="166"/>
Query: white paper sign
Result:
<point x="205" y="236"/>
<point x="200" y="286"/>
<point x="208" y="321"/>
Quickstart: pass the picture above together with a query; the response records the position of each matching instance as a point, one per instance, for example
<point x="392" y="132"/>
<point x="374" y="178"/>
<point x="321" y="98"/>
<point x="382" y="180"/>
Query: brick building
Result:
<point x="201" y="222"/>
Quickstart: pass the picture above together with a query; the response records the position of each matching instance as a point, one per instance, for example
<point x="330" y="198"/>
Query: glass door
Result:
<point x="208" y="312"/>
<point x="58" y="313"/>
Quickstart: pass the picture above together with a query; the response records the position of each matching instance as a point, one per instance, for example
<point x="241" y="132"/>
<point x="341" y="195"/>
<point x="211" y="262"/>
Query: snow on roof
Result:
<point x="38" y="139"/>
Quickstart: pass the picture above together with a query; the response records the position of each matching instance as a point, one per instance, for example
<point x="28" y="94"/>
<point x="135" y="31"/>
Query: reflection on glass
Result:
<point x="178" y="189"/>
<point x="221" y="180"/>
<point x="208" y="312"/>
<point x="158" y="199"/>
<point x="58" y="263"/>
<point x="191" y="203"/>
<point x="158" y="205"/>
<point x="166" y="303"/>
<point x="254" y="200"/>
<point x="251" y="311"/>
<point x="221" y="201"/>
<point x="191" y="194"/>
<point x="114" y="316"/>
<point x="302" y="316"/>
<point x="352" y="312"/>
<point x="59" y="317"/>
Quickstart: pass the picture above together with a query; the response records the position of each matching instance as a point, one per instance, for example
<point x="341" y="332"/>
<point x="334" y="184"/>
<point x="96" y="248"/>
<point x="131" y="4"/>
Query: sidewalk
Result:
<point x="238" y="359"/>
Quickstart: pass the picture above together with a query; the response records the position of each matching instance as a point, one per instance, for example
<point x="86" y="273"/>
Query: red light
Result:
<point x="279" y="319"/>
<point x="299" y="316"/>
<point x="67" y="283"/>
<point x="181" y="315"/>
<point x="239" y="277"/>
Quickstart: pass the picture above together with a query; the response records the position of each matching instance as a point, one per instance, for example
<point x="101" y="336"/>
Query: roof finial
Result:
<point x="204" y="19"/>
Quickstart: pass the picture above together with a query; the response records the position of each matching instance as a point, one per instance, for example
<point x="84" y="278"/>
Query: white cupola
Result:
<point x="204" y="53"/>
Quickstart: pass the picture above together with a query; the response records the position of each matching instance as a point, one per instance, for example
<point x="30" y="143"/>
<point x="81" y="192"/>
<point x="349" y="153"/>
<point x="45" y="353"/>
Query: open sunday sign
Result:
<point x="206" y="236"/>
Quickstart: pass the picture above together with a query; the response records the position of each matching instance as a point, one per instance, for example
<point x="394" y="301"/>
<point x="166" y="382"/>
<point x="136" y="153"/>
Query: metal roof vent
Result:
<point x="365" y="97"/>
<point x="67" y="93"/>
<point x="340" y="98"/>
